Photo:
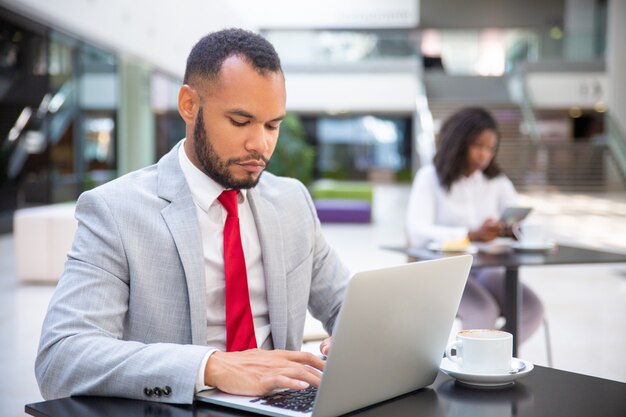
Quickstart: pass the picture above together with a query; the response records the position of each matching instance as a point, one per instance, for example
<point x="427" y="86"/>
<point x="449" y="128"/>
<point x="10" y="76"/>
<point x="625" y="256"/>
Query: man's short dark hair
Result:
<point x="206" y="57"/>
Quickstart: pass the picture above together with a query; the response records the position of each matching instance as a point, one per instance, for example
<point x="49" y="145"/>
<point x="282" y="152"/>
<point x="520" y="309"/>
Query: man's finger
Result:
<point x="305" y="358"/>
<point x="305" y="374"/>
<point x="282" y="381"/>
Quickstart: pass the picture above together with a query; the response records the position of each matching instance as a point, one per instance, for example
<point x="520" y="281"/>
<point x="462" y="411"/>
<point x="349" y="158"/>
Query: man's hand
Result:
<point x="258" y="371"/>
<point x="489" y="230"/>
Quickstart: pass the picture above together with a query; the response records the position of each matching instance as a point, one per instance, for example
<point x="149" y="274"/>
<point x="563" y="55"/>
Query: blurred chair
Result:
<point x="43" y="236"/>
<point x="343" y="201"/>
<point x="343" y="211"/>
<point x="343" y="190"/>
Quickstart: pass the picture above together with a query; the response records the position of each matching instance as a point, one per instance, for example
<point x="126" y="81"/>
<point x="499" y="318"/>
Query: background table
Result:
<point x="545" y="392"/>
<point x="512" y="260"/>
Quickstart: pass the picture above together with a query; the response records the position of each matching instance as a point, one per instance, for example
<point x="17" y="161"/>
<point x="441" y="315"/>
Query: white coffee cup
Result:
<point x="530" y="233"/>
<point x="482" y="351"/>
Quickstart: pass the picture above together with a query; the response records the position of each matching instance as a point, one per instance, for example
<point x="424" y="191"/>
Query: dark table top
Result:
<point x="560" y="255"/>
<point x="543" y="392"/>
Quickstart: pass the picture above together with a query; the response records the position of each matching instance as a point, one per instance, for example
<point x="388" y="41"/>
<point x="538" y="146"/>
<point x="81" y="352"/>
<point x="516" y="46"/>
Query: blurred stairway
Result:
<point x="21" y="96"/>
<point x="562" y="166"/>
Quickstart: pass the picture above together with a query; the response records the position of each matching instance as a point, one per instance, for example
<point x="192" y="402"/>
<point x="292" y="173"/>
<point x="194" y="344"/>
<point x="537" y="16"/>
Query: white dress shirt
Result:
<point x="437" y="215"/>
<point x="211" y="218"/>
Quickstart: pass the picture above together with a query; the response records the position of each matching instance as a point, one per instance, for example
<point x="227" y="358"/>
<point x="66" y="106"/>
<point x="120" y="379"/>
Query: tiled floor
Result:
<point x="585" y="305"/>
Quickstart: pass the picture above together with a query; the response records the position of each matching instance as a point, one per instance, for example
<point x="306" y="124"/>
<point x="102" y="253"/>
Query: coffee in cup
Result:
<point x="482" y="351"/>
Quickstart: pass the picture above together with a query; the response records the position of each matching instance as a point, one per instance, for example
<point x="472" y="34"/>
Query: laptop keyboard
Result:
<point x="296" y="400"/>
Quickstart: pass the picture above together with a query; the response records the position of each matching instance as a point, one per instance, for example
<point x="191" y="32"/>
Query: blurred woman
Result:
<point x="461" y="197"/>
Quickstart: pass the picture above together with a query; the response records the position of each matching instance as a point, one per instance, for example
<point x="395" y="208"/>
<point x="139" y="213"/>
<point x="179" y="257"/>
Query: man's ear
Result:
<point x="188" y="104"/>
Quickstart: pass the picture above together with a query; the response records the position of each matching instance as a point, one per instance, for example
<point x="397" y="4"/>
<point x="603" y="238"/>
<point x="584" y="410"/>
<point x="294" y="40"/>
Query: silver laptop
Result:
<point x="388" y="340"/>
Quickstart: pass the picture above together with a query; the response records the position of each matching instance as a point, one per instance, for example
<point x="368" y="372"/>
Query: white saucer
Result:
<point x="539" y="246"/>
<point x="497" y="246"/>
<point x="436" y="247"/>
<point x="484" y="380"/>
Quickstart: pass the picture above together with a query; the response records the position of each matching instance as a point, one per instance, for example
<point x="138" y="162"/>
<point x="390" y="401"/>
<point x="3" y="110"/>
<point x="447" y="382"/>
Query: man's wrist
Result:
<point x="210" y="370"/>
<point x="201" y="384"/>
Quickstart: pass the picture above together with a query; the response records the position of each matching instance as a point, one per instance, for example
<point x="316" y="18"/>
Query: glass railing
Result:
<point x="34" y="131"/>
<point x="518" y="90"/>
<point x="616" y="139"/>
<point x="424" y="127"/>
<point x="61" y="111"/>
<point x="489" y="51"/>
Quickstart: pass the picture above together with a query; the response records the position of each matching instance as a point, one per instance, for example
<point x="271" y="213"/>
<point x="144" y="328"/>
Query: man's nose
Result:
<point x="258" y="140"/>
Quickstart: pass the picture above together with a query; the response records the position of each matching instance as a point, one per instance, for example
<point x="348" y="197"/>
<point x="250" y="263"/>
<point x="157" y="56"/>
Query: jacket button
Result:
<point x="157" y="391"/>
<point x="148" y="391"/>
<point x="167" y="391"/>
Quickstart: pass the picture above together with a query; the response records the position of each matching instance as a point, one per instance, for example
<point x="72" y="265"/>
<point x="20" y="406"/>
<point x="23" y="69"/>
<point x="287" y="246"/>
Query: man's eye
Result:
<point x="272" y="127"/>
<point x="238" y="124"/>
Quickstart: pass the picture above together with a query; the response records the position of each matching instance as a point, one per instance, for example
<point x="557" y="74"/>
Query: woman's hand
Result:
<point x="489" y="230"/>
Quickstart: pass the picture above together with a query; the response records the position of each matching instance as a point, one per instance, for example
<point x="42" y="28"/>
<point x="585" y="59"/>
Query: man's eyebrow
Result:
<point x="243" y="113"/>
<point x="278" y="119"/>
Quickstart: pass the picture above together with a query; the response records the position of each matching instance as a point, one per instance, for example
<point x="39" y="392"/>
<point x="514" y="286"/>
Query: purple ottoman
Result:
<point x="343" y="211"/>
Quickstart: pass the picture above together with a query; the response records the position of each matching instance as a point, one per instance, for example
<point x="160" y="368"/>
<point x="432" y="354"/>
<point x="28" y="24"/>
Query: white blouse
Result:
<point x="437" y="215"/>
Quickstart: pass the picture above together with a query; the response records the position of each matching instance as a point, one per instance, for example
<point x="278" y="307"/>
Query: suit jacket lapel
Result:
<point x="181" y="219"/>
<point x="270" y="236"/>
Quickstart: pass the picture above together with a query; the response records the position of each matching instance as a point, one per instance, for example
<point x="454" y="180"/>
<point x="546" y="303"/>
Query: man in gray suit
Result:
<point x="139" y="309"/>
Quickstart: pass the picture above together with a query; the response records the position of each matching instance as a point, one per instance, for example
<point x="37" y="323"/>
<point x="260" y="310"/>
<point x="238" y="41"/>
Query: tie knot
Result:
<point x="228" y="199"/>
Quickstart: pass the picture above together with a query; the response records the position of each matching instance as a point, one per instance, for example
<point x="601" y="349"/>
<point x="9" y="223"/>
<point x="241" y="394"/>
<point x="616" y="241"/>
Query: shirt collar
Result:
<point x="476" y="176"/>
<point x="204" y="189"/>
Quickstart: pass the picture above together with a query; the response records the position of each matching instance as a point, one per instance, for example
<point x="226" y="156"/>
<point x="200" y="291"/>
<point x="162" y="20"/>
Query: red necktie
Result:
<point x="239" y="324"/>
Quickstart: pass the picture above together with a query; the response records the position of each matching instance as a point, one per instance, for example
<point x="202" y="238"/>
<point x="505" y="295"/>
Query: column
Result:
<point x="136" y="130"/>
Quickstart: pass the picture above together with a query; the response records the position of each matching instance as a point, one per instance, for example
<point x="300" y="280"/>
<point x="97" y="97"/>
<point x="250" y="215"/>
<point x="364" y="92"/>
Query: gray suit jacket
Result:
<point x="129" y="311"/>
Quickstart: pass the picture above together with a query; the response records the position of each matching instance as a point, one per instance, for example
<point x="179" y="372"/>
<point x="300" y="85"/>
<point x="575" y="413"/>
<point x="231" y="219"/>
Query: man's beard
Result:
<point x="216" y="168"/>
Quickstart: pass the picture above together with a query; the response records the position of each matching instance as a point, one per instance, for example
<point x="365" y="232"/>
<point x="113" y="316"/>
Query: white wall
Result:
<point x="293" y="14"/>
<point x="310" y="92"/>
<point x="163" y="32"/>
<point x="159" y="32"/>
<point x="561" y="89"/>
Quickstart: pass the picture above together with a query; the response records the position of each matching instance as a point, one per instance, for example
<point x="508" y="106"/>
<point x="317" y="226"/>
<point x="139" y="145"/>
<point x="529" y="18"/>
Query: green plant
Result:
<point x="293" y="156"/>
